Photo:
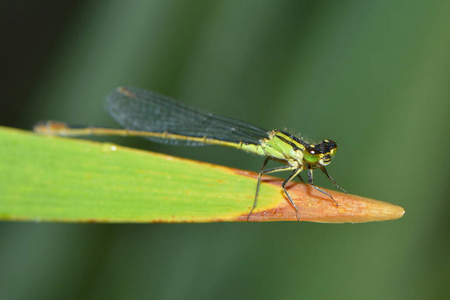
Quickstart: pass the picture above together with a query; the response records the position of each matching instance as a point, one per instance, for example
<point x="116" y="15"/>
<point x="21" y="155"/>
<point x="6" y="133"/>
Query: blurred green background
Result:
<point x="373" y="75"/>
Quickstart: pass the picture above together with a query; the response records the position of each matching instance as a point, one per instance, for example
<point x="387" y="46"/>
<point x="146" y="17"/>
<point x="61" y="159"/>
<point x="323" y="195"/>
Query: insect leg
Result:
<point x="331" y="179"/>
<point x="286" y="181"/>
<point x="261" y="173"/>
<point x="310" y="181"/>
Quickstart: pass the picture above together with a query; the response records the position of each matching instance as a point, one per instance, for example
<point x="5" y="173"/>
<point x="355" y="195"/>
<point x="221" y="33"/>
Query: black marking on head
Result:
<point x="326" y="146"/>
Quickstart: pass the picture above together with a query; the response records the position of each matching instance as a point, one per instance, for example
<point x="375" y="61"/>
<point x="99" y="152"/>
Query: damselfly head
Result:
<point x="320" y="153"/>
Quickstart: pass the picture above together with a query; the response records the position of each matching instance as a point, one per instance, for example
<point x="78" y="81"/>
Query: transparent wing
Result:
<point x="143" y="110"/>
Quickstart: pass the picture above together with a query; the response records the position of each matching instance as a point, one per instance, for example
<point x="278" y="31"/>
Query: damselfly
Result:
<point x="161" y="119"/>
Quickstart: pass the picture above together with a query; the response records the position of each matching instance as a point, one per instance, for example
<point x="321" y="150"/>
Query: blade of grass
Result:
<point x="67" y="180"/>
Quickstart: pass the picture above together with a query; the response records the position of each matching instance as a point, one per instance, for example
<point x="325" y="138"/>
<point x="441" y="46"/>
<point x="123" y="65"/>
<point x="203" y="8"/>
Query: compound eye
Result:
<point x="333" y="151"/>
<point x="330" y="147"/>
<point x="312" y="150"/>
<point x="329" y="144"/>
